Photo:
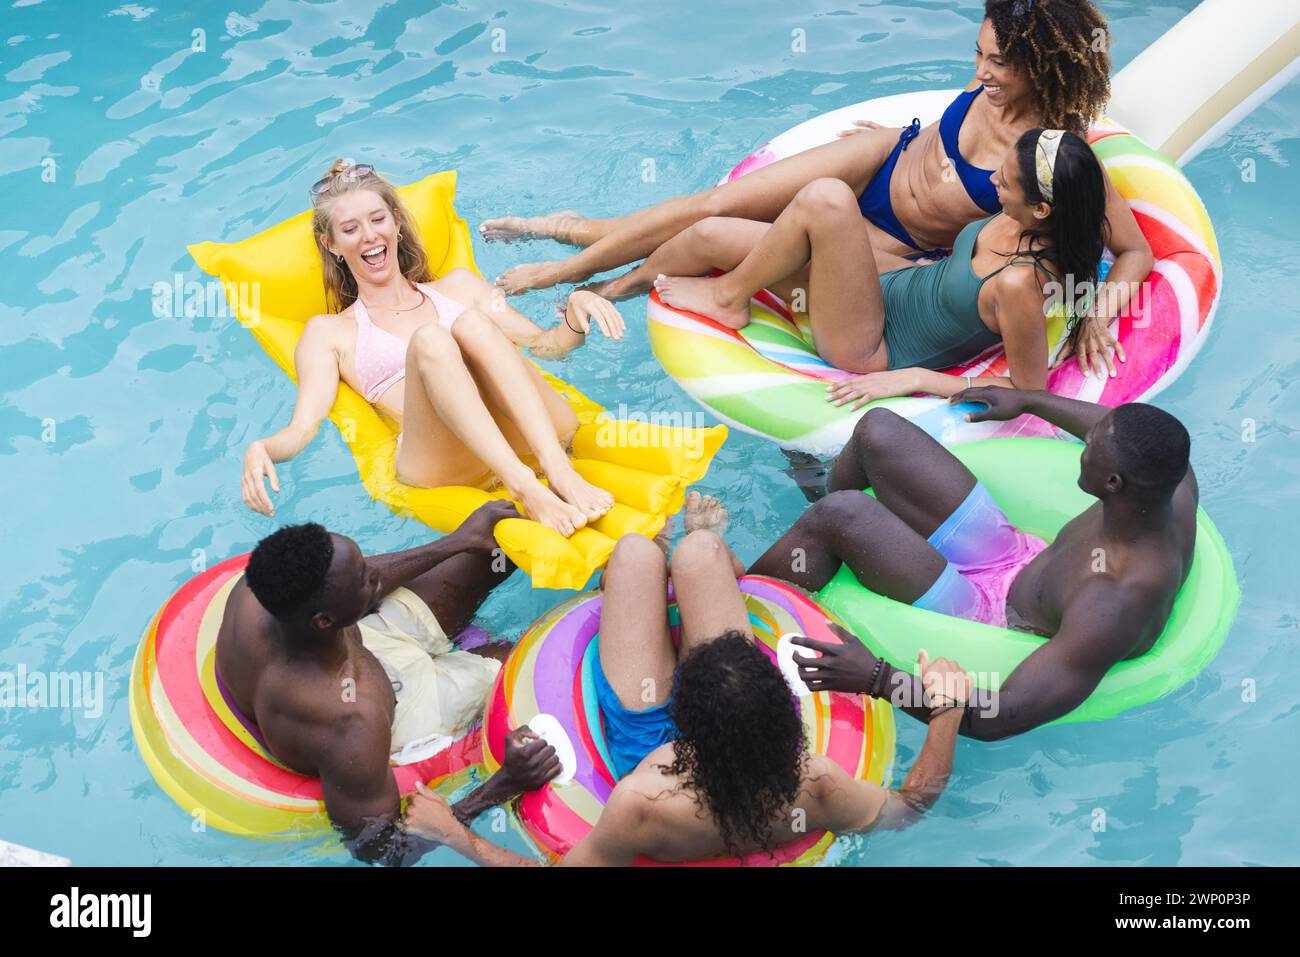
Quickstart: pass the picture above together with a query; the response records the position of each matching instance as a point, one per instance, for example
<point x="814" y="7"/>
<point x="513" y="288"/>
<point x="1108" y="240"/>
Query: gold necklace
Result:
<point x="398" y="312"/>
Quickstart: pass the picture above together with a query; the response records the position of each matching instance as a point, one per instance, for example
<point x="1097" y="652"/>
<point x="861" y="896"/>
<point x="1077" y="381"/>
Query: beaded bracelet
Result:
<point x="875" y="673"/>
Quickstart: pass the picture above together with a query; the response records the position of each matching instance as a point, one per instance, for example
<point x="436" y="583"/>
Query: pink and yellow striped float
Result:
<point x="209" y="758"/>
<point x="549" y="672"/>
<point x="768" y="379"/>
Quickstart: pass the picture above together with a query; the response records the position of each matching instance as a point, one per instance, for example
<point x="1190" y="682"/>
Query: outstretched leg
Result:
<point x="566" y="226"/>
<point x="719" y="242"/>
<point x="852" y="528"/>
<point x="822" y="229"/>
<point x="505" y="375"/>
<point x="914" y="476"/>
<point x="760" y="195"/>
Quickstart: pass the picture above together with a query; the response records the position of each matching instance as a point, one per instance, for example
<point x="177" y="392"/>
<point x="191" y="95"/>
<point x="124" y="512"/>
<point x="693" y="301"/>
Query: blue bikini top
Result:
<point x="978" y="185"/>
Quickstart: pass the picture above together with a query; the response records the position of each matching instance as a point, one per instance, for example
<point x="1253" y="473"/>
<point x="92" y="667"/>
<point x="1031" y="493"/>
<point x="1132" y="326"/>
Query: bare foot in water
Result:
<point x="520" y="279"/>
<point x="561" y="226"/>
<point x="704" y="296"/>
<point x="620" y="287"/>
<point x="664" y="537"/>
<point x="590" y="500"/>
<point x="700" y="511"/>
<point x="704" y="511"/>
<point x="542" y="505"/>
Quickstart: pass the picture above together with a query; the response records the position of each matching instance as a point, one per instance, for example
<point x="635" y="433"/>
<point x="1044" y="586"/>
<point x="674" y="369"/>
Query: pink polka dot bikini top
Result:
<point x="380" y="355"/>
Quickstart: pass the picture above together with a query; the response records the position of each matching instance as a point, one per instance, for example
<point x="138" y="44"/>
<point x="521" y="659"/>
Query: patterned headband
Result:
<point x="1049" y="141"/>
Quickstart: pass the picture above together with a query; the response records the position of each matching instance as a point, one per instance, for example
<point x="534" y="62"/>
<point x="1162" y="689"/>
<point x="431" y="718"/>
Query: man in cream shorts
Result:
<point x="439" y="690"/>
<point x="343" y="661"/>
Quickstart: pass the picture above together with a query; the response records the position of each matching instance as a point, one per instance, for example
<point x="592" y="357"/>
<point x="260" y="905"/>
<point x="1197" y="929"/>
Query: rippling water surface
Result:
<point x="121" y="433"/>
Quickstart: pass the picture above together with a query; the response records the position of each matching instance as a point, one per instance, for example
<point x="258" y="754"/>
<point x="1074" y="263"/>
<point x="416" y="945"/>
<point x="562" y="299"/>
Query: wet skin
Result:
<point x="1097" y="611"/>
<point x="324" y="704"/>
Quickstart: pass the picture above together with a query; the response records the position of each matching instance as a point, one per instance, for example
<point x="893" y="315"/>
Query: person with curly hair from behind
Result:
<point x="706" y="738"/>
<point x="1038" y="64"/>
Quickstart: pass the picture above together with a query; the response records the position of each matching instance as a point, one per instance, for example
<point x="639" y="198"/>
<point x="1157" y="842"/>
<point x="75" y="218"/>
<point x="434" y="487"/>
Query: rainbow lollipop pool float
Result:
<point x="209" y="758"/>
<point x="549" y="673"/>
<point x="768" y="379"/>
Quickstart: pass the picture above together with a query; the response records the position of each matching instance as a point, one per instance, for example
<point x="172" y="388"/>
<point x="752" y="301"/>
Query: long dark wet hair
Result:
<point x="1075" y="235"/>
<point x="741" y="743"/>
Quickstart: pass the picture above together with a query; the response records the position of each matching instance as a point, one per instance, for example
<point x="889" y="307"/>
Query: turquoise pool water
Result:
<point x="121" y="433"/>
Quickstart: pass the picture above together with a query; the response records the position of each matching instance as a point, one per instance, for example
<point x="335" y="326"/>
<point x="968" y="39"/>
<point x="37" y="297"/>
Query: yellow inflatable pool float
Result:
<point x="273" y="283"/>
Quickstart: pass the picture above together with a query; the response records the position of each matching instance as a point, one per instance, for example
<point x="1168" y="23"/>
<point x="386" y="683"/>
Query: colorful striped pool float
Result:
<point x="768" y="379"/>
<point x="549" y="672"/>
<point x="208" y="758"/>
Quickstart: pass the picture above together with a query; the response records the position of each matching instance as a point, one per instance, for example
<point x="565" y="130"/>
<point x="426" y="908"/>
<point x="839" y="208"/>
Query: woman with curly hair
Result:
<point x="1038" y="64"/>
<point x="437" y="356"/>
<point x="706" y="739"/>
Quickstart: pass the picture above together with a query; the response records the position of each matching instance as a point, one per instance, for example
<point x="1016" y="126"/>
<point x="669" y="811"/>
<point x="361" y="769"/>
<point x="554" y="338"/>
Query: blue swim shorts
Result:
<point x="629" y="735"/>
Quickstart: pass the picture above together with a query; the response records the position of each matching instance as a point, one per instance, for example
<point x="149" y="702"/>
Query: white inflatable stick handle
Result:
<point x="548" y="728"/>
<point x="785" y="658"/>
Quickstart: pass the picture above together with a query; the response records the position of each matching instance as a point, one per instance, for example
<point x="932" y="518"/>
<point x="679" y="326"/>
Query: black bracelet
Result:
<point x="875" y="673"/>
<point x="567" y="323"/>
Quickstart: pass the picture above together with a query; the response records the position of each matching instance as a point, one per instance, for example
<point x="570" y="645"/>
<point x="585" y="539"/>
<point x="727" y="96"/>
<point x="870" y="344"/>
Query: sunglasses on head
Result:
<point x="355" y="171"/>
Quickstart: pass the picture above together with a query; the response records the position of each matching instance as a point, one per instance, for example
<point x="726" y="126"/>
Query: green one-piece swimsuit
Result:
<point x="932" y="313"/>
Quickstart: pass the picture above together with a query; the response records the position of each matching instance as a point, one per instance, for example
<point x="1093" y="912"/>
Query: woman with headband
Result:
<point x="1038" y="63"/>
<point x="896" y="321"/>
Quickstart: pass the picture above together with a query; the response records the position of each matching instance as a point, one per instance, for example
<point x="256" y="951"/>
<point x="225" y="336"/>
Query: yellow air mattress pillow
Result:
<point x="273" y="283"/>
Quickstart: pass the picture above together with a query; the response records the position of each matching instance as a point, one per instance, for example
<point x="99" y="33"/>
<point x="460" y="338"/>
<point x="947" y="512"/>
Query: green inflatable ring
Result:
<point x="1035" y="481"/>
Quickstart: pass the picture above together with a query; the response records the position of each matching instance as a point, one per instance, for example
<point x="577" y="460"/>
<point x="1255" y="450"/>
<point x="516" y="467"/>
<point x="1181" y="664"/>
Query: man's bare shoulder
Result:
<point x="650" y="792"/>
<point x="306" y="726"/>
<point x="308" y="694"/>
<point x="1151" y="574"/>
<point x="1112" y="617"/>
<point x="818" y="774"/>
<point x="651" y="813"/>
<point x="241" y="600"/>
<point x="822" y="778"/>
<point x="1129" y="589"/>
<point x="242" y="636"/>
